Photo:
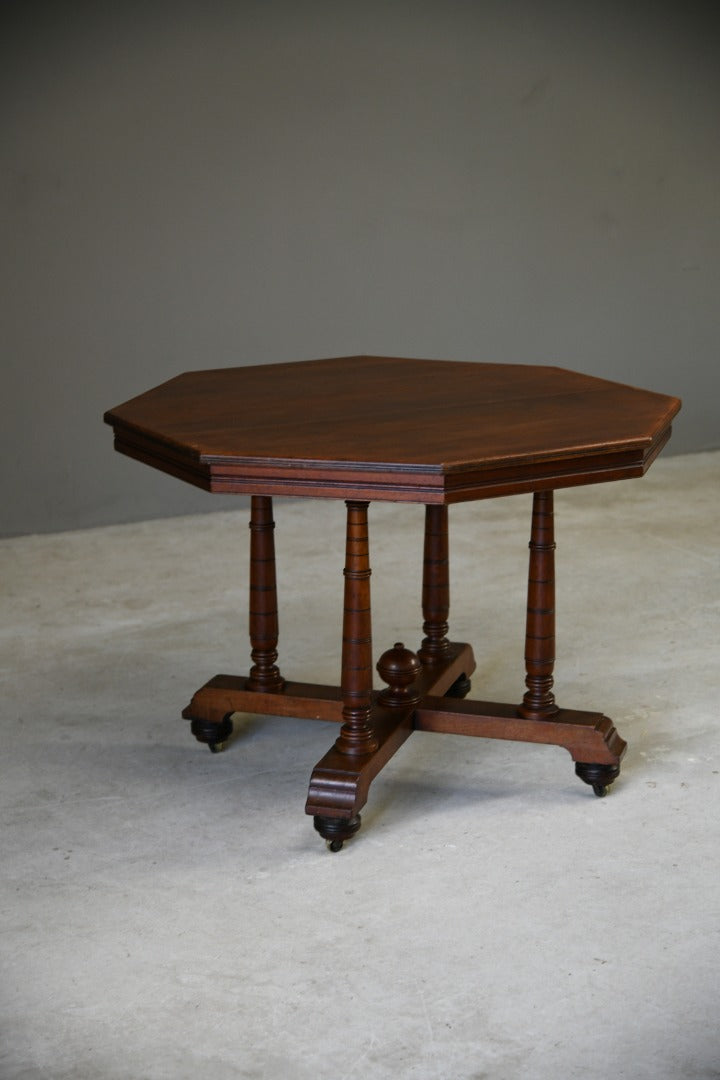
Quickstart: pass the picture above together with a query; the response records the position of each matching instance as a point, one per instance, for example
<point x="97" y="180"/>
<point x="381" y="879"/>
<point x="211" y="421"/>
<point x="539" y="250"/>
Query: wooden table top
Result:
<point x="367" y="427"/>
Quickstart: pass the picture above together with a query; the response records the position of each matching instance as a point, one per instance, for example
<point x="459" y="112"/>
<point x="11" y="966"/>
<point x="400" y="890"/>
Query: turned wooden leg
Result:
<point x="539" y="700"/>
<point x="436" y="649"/>
<point x="356" y="734"/>
<point x="264" y="674"/>
<point x="436" y="586"/>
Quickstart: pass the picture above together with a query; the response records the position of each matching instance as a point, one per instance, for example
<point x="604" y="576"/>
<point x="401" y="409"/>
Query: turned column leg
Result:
<point x="436" y="649"/>
<point x="436" y="586"/>
<point x="539" y="700"/>
<point x="264" y="674"/>
<point x="356" y="734"/>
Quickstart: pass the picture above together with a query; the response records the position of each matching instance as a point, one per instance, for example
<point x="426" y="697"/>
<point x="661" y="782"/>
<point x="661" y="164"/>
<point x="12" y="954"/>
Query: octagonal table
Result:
<point x="364" y="428"/>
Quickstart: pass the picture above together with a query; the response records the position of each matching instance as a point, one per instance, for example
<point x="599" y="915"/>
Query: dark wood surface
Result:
<point x="390" y="428"/>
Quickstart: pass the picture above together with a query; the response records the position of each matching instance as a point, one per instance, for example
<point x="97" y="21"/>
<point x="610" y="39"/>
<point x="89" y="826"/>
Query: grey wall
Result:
<point x="198" y="185"/>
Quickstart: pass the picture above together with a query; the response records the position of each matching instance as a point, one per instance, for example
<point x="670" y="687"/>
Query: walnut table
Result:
<point x="423" y="431"/>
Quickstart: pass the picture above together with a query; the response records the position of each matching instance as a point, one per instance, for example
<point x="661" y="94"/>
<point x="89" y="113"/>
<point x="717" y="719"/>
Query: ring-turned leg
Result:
<point x="356" y="738"/>
<point x="264" y="674"/>
<point x="435" y="648"/>
<point x="539" y="700"/>
<point x="356" y="735"/>
<point x="436" y="586"/>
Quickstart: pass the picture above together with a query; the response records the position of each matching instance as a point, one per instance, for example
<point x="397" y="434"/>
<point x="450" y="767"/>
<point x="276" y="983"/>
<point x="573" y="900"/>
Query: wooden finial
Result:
<point x="399" y="668"/>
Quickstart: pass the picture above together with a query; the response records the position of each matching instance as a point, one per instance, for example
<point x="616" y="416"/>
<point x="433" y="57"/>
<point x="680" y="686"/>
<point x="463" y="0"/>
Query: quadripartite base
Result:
<point x="340" y="782"/>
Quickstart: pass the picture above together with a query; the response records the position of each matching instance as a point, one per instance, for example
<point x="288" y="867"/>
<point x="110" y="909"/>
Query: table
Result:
<point x="367" y="428"/>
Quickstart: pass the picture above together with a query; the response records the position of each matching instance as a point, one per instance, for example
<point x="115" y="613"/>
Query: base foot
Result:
<point x="600" y="777"/>
<point x="335" y="831"/>
<point x="213" y="734"/>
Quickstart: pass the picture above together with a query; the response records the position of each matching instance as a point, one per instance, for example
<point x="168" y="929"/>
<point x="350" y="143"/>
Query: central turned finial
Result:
<point x="399" y="668"/>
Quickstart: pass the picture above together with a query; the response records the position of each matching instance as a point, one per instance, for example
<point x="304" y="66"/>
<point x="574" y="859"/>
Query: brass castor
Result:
<point x="213" y="735"/>
<point x="460" y="688"/>
<point x="335" y="831"/>
<point x="599" y="777"/>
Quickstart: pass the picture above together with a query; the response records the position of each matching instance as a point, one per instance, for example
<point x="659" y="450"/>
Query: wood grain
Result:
<point x="367" y="427"/>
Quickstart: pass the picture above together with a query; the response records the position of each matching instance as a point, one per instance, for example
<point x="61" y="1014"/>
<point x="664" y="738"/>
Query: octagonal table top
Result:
<point x="367" y="427"/>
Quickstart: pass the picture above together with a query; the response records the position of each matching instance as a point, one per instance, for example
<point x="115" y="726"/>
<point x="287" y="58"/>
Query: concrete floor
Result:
<point x="167" y="913"/>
